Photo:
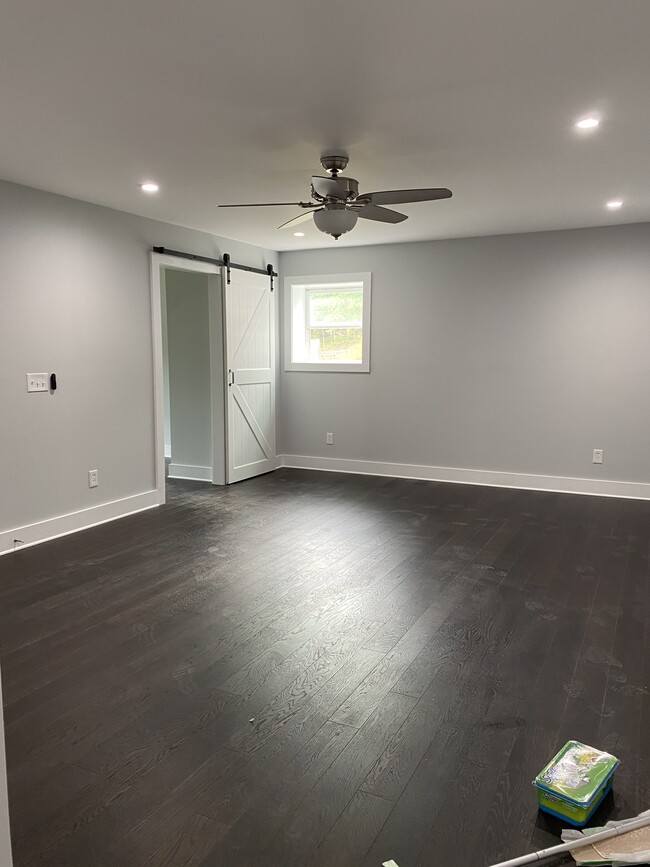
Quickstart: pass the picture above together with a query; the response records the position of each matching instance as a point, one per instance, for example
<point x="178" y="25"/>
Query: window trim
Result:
<point x="325" y="280"/>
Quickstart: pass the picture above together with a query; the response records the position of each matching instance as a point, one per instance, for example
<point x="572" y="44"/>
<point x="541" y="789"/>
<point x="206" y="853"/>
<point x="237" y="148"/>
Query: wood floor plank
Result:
<point x="315" y="817"/>
<point x="354" y="831"/>
<point x="410" y="822"/>
<point x="270" y="791"/>
<point x="319" y="668"/>
<point x="459" y="822"/>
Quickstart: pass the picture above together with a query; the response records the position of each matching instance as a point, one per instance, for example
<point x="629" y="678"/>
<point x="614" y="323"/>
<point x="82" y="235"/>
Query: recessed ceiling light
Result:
<point x="149" y="187"/>
<point x="615" y="204"/>
<point x="588" y="123"/>
<point x="298" y="234"/>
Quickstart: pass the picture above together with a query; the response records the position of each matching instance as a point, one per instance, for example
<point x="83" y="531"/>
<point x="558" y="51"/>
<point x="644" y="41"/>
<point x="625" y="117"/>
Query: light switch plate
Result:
<point x="37" y="382"/>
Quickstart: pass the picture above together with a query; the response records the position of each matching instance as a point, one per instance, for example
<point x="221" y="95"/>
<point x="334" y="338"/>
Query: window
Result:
<point x="327" y="322"/>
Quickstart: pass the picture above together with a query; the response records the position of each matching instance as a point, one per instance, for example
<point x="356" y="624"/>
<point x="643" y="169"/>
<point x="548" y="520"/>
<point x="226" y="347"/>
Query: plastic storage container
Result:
<point x="574" y="782"/>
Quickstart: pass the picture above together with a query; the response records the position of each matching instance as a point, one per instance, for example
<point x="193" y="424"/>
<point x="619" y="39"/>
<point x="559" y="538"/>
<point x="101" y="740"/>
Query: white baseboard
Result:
<point x="62" y="525"/>
<point x="526" y="481"/>
<point x="185" y="471"/>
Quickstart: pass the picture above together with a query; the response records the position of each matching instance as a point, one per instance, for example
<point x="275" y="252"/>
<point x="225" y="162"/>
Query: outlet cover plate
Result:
<point x="598" y="456"/>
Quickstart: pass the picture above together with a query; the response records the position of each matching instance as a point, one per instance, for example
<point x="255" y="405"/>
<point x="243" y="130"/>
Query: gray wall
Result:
<point x="188" y="341"/>
<point x="75" y="299"/>
<point x="515" y="353"/>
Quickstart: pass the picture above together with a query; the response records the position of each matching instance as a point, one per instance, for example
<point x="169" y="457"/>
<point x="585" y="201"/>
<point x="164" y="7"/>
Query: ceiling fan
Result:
<point x="338" y="204"/>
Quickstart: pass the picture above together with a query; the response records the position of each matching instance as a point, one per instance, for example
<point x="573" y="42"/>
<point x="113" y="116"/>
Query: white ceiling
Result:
<point x="234" y="100"/>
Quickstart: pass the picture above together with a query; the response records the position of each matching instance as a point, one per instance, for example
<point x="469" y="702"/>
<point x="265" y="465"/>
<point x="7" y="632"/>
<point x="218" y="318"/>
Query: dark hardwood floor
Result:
<point x="321" y="669"/>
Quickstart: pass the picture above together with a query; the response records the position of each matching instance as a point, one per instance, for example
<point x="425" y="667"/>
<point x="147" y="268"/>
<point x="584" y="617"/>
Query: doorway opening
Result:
<point x="214" y="372"/>
<point x="192" y="376"/>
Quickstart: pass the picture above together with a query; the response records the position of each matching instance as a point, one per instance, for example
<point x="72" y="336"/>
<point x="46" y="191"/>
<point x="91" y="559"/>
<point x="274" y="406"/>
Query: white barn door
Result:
<point x="250" y="364"/>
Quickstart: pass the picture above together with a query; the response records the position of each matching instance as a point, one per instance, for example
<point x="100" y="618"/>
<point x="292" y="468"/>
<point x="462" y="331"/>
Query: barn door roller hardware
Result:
<point x="225" y="262"/>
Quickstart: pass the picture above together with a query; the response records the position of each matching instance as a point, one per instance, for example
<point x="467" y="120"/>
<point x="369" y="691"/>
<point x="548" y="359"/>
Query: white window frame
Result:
<point x="296" y="290"/>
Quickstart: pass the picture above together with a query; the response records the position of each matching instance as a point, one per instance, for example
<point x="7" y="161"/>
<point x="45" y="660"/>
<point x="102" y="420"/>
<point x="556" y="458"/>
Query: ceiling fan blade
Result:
<point x="271" y="205"/>
<point x="331" y="187"/>
<point x="382" y="215"/>
<point x="403" y="197"/>
<point x="301" y="218"/>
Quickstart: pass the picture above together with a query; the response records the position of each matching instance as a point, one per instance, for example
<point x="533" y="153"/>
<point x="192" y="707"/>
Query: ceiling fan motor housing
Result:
<point x="342" y="190"/>
<point x="351" y="187"/>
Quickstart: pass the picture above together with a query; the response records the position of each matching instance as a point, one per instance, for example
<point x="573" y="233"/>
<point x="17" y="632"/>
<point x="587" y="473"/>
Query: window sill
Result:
<point x="326" y="367"/>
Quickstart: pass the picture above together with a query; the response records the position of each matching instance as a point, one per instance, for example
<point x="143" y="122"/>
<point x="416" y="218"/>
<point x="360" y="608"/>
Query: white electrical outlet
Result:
<point x="37" y="382"/>
<point x="598" y="456"/>
<point x="93" y="478"/>
<point x="329" y="439"/>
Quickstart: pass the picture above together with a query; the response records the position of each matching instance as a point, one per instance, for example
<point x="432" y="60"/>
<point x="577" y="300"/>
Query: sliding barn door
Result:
<point x="250" y="364"/>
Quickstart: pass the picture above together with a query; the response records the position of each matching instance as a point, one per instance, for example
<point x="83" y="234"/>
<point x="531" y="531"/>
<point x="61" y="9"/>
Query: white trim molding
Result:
<point x="62" y="525"/>
<point x="185" y="471"/>
<point x="524" y="481"/>
<point x="5" y="835"/>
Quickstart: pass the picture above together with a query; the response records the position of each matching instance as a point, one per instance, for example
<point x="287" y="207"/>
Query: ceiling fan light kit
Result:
<point x="337" y="203"/>
<point x="335" y="220"/>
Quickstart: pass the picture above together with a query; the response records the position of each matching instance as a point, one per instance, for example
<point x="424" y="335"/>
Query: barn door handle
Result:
<point x="231" y="377"/>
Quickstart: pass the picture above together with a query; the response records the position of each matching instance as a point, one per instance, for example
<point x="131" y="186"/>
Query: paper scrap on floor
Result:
<point x="630" y="848"/>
